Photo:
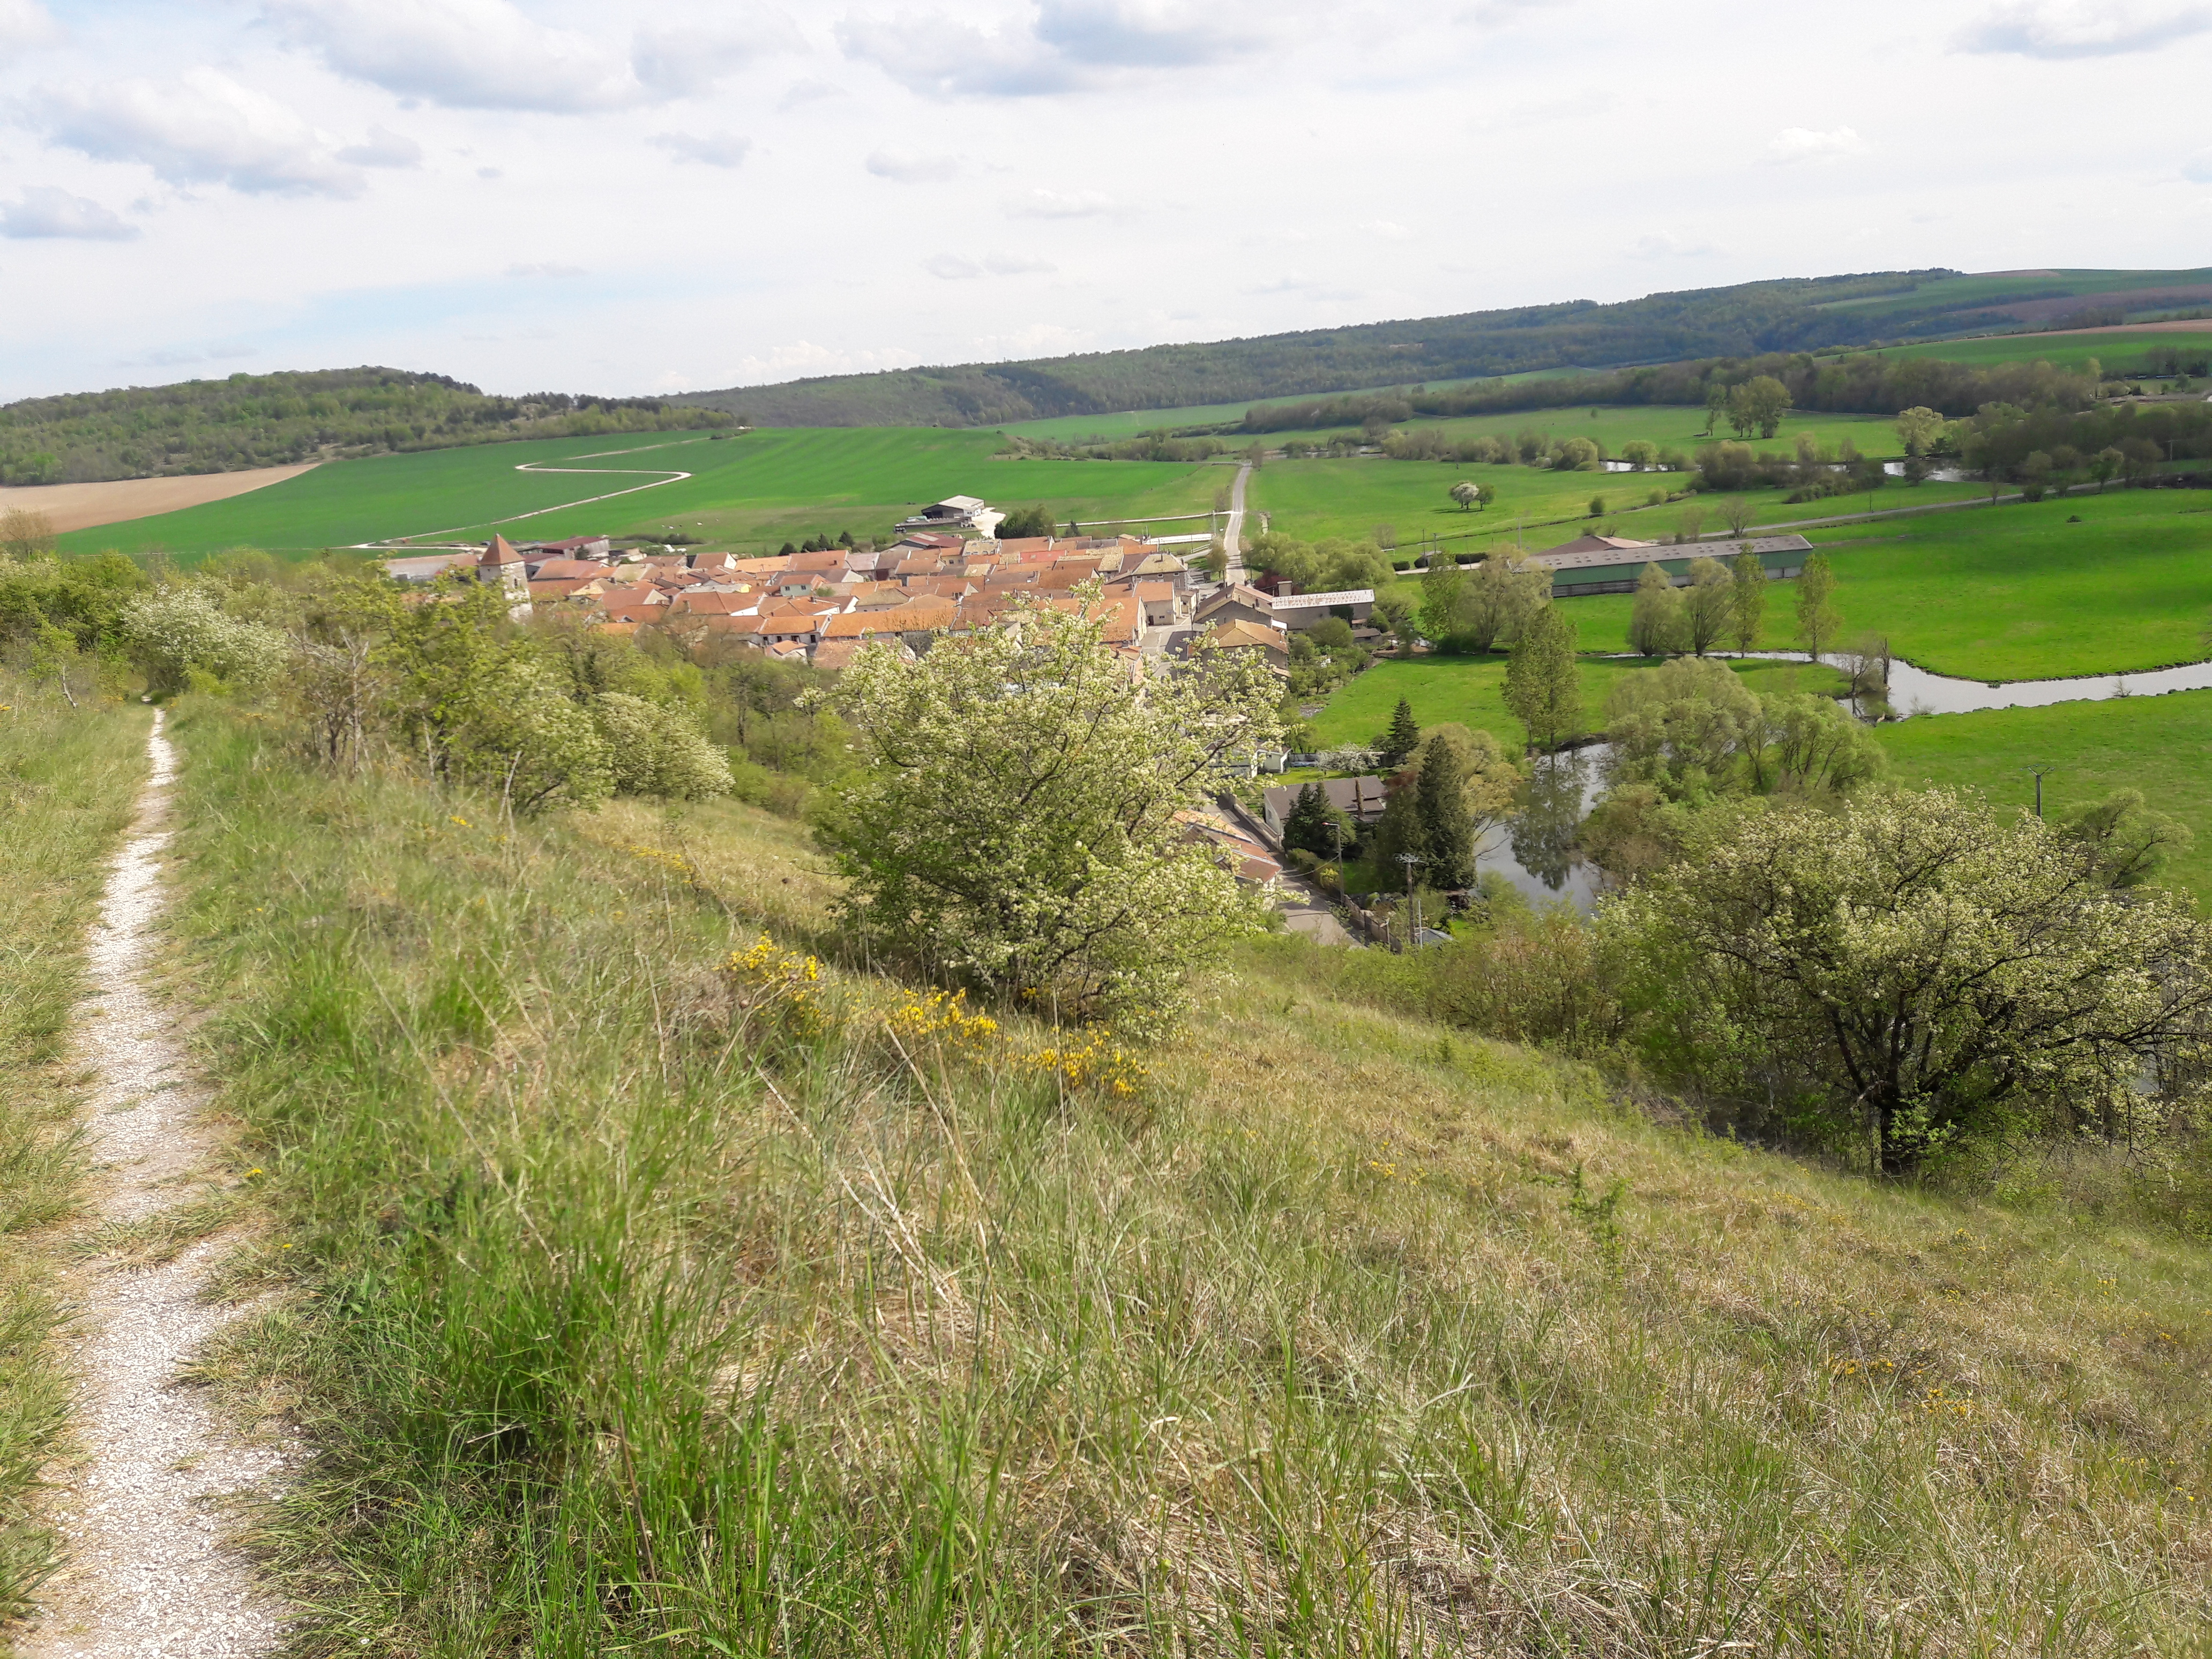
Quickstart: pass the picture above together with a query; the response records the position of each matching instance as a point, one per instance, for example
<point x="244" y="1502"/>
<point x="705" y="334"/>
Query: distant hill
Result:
<point x="277" y="420"/>
<point x="1795" y="314"/>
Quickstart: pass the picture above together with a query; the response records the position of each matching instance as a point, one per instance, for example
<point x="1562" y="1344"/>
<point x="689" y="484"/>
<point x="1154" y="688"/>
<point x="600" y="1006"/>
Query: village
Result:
<point x="950" y="573"/>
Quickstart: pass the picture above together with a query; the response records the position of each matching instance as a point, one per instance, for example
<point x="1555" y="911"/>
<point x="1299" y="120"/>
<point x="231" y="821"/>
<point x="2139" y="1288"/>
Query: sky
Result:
<point x="677" y="195"/>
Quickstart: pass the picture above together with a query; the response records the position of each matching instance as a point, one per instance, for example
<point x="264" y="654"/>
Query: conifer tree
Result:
<point x="1307" y="824"/>
<point x="1446" y="828"/>
<point x="1403" y="737"/>
<point x="1543" y="687"/>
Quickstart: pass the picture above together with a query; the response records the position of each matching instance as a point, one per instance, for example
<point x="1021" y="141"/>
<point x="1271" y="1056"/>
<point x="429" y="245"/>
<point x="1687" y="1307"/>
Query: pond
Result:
<point x="1534" y="849"/>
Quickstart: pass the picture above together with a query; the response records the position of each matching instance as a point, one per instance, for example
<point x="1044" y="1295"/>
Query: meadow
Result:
<point x="750" y="492"/>
<point x="2114" y="350"/>
<point x="2160" y="745"/>
<point x="2010" y="592"/>
<point x="627" y="1310"/>
<point x="1470" y="691"/>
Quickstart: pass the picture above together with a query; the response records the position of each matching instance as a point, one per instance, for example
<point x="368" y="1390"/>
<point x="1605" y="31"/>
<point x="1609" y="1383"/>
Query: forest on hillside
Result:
<point x="1747" y="319"/>
<point x="279" y="420"/>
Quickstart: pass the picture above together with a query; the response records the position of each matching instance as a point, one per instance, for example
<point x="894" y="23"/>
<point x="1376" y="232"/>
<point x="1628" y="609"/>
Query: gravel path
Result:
<point x="147" y="1573"/>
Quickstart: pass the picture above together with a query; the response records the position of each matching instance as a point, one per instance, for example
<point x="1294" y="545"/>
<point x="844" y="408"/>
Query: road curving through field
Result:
<point x="659" y="475"/>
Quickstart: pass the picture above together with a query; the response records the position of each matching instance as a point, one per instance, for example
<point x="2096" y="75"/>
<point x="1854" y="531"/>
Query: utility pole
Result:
<point x="1412" y="903"/>
<point x="2039" y="769"/>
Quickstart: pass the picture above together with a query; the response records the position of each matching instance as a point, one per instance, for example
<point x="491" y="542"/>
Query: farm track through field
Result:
<point x="147" y="1570"/>
<point x="659" y="478"/>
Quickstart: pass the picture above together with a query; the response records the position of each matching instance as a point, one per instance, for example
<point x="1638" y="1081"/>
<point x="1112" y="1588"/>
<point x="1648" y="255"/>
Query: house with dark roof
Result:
<point x="1360" y="799"/>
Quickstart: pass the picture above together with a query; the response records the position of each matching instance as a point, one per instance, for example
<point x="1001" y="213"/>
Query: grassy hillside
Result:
<point x="1750" y="317"/>
<point x="617" y="1320"/>
<point x="67" y="781"/>
<point x="276" y="420"/>
<point x="752" y="490"/>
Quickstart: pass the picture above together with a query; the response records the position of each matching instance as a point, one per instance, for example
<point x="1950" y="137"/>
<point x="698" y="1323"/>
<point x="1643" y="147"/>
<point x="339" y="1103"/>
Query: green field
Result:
<point x="1130" y="423"/>
<point x="1313" y="499"/>
<point x="2013" y="592"/>
<point x="750" y="492"/>
<point x="2160" y="745"/>
<point x="1470" y="691"/>
<point x="2068" y="350"/>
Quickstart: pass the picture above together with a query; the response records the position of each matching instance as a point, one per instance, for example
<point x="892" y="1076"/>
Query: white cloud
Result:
<point x="471" y="54"/>
<point x="1665" y="244"/>
<point x="2198" y="169"/>
<point x="1135" y="33"/>
<point x="1059" y="205"/>
<point x="489" y="54"/>
<point x="713" y="149"/>
<point x="44" y="211"/>
<point x="201" y="129"/>
<point x="26" y="24"/>
<point x="910" y="169"/>
<point x="1070" y="44"/>
<point x="383" y="149"/>
<point x="802" y="92"/>
<point x="955" y="267"/>
<point x="681" y="62"/>
<point x="2081" y="28"/>
<point x="803" y="357"/>
<point x="527" y="272"/>
<point x="1386" y="230"/>
<point x="1804" y="144"/>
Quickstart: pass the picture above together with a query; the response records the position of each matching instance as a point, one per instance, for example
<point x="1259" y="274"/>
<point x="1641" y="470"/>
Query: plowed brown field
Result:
<point x="83" y="505"/>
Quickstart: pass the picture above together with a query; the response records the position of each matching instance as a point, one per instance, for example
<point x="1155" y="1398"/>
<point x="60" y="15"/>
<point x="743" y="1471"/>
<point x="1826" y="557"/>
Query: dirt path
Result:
<point x="147" y="1573"/>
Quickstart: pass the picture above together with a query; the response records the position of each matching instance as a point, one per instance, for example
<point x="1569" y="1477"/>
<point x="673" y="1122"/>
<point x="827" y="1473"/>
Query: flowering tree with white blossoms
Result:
<point x="1015" y="823"/>
<point x="1916" y="967"/>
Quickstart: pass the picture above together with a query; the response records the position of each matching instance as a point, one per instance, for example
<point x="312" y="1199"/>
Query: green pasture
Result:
<point x="2160" y="745"/>
<point x="2115" y="352"/>
<point x="1312" y="500"/>
<point x="2010" y="592"/>
<point x="751" y="491"/>
<point x="1130" y="423"/>
<point x="344" y="503"/>
<point x="1470" y="691"/>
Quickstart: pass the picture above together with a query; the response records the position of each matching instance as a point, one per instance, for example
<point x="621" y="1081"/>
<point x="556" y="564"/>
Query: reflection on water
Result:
<point x="1916" y="691"/>
<point x="1534" y="849"/>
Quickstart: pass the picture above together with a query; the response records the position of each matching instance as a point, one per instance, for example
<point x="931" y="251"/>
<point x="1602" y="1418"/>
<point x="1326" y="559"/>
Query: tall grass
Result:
<point x="67" y="781"/>
<point x="625" y="1316"/>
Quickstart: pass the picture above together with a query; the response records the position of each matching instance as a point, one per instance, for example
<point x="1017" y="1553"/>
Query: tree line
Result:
<point x="1860" y="384"/>
<point x="1746" y="322"/>
<point x="278" y="420"/>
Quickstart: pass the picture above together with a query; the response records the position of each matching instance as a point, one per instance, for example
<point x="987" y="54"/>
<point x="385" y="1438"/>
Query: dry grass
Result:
<point x="67" y="781"/>
<point x="635" y="1311"/>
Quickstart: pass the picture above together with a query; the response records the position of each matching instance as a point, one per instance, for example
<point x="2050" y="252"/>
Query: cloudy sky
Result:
<point x="661" y="195"/>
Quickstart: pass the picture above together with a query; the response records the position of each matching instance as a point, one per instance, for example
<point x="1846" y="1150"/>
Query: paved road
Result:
<point x="1232" y="536"/>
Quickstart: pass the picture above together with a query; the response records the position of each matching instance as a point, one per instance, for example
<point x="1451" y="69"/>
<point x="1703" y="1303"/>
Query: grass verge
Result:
<point x="67" y="782"/>
<point x="639" y="1307"/>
